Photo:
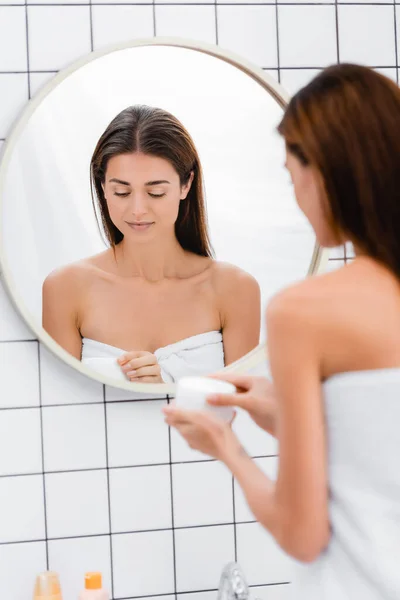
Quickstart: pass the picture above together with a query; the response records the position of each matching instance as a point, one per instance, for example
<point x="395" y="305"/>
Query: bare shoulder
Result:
<point x="227" y="278"/>
<point x="74" y="274"/>
<point x="66" y="277"/>
<point x="349" y="317"/>
<point x="357" y="286"/>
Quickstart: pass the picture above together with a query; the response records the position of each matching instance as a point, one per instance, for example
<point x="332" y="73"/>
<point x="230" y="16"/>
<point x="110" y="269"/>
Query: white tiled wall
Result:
<point x="91" y="479"/>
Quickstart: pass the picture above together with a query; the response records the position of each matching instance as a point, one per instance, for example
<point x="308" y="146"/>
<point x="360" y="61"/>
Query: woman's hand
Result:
<point x="203" y="431"/>
<point x="255" y="395"/>
<point x="141" y="366"/>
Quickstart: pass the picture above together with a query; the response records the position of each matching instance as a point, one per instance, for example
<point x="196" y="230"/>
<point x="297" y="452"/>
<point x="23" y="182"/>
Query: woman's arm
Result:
<point x="295" y="509"/>
<point x="240" y="308"/>
<point x="59" y="314"/>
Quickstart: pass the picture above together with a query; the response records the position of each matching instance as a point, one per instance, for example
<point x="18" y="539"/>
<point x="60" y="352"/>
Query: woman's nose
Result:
<point x="138" y="205"/>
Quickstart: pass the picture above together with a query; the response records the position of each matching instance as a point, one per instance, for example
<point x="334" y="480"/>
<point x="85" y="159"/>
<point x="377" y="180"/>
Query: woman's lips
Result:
<point x="140" y="226"/>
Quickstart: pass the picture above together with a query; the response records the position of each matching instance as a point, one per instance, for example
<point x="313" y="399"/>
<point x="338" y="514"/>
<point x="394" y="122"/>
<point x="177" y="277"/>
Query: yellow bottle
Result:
<point x="47" y="587"/>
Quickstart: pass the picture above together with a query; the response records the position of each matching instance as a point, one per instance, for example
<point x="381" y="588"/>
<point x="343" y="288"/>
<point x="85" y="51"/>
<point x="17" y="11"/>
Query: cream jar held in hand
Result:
<point x="192" y="394"/>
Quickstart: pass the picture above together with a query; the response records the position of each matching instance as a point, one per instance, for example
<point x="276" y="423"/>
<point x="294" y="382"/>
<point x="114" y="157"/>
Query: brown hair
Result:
<point x="346" y="123"/>
<point x="154" y="132"/>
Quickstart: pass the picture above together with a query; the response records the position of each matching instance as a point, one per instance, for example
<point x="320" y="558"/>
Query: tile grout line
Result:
<point x="91" y="25"/>
<point x="27" y="48"/>
<point x="234" y="518"/>
<point x="132" y="532"/>
<point x="278" y="53"/>
<point x="121" y="467"/>
<point x="43" y="459"/>
<point x="264" y="68"/>
<point x="337" y="31"/>
<point x="209" y="3"/>
<point x="216" y="22"/>
<point x="172" y="506"/>
<point x="108" y="492"/>
<point x="67" y="404"/>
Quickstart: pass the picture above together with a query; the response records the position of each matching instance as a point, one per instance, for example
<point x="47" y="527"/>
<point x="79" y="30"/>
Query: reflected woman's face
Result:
<point x="310" y="196"/>
<point x="143" y="194"/>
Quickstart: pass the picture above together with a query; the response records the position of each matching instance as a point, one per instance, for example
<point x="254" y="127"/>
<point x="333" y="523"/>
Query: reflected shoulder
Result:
<point x="231" y="278"/>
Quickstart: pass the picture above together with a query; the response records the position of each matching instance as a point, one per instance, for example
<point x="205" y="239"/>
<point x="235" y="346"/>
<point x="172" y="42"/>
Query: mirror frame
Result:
<point x="318" y="260"/>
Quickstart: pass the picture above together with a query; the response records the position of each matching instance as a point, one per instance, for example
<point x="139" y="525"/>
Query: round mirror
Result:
<point x="146" y="215"/>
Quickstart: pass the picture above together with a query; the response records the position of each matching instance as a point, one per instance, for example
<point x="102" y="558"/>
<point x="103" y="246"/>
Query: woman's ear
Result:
<point x="186" y="188"/>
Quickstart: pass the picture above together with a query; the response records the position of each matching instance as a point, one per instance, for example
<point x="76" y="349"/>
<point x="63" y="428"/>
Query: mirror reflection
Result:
<point x="150" y="191"/>
<point x="156" y="299"/>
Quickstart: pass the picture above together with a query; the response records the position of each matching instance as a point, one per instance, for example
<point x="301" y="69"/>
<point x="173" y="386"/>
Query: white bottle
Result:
<point x="93" y="588"/>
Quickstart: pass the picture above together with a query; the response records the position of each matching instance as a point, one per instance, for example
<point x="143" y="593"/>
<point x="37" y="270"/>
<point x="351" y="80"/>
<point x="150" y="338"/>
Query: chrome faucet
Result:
<point x="232" y="584"/>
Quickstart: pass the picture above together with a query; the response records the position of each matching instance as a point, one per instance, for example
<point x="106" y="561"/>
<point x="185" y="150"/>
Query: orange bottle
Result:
<point x="93" y="588"/>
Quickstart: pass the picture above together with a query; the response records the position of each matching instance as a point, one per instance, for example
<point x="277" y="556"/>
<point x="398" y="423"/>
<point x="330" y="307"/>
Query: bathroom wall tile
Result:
<point x="77" y="504"/>
<point x="22" y="508"/>
<point x="74" y="557"/>
<point x="282" y="591"/>
<point x="137" y="434"/>
<point x="184" y="2"/>
<point x="334" y="264"/>
<point x="12" y="326"/>
<point x="20" y="441"/>
<point x="74" y="437"/>
<point x="255" y="440"/>
<point x="201" y="554"/>
<point x="118" y="24"/>
<point x="304" y="2"/>
<point x="19" y="565"/>
<point x="197" y="596"/>
<point x="193" y="22"/>
<point x="166" y="597"/>
<point x="269" y="564"/>
<point x="143" y="564"/>
<point x="61" y="384"/>
<point x="116" y="394"/>
<point x="390" y="72"/>
<point x="112" y="2"/>
<point x="294" y="79"/>
<point x="13" y="54"/>
<point x="140" y="499"/>
<point x="13" y="97"/>
<point x="242" y="511"/>
<point x="58" y="35"/>
<point x="202" y="494"/>
<point x="249" y="31"/>
<point x="311" y="45"/>
<point x="56" y="2"/>
<point x="366" y="35"/>
<point x="17" y="359"/>
<point x="13" y="2"/>
<point x="339" y="251"/>
<point x="39" y="80"/>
